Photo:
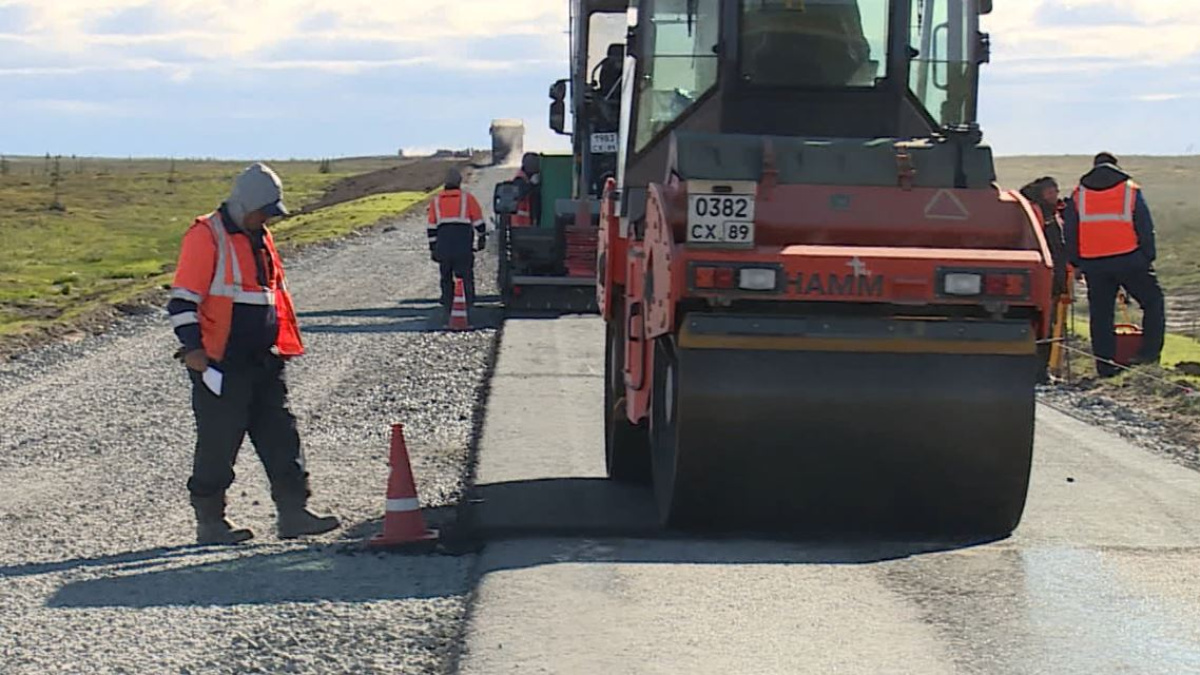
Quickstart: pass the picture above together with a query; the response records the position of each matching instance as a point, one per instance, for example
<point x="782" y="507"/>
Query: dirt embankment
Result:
<point x="418" y="175"/>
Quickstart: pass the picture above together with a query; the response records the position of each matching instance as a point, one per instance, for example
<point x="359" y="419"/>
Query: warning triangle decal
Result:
<point x="945" y="205"/>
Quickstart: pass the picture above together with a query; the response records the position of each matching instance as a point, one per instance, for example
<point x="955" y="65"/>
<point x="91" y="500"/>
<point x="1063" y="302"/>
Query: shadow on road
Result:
<point x="596" y="508"/>
<point x="416" y="318"/>
<point x="261" y="574"/>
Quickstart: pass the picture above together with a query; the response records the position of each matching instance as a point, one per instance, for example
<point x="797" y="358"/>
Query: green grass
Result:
<point x="1177" y="349"/>
<point x="123" y="220"/>
<point x="343" y="218"/>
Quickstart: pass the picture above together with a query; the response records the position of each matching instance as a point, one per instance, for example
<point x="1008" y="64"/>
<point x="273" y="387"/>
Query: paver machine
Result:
<point x="822" y="311"/>
<point x="551" y="266"/>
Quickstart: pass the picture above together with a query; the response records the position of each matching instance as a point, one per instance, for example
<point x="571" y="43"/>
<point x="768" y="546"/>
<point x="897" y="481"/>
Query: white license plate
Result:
<point x="721" y="219"/>
<point x="604" y="144"/>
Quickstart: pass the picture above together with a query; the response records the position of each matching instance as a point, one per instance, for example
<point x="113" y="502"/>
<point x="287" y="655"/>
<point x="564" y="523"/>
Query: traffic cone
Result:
<point x="402" y="521"/>
<point x="458" y="311"/>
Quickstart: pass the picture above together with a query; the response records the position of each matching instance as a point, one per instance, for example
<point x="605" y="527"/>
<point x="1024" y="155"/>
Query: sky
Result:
<point x="280" y="79"/>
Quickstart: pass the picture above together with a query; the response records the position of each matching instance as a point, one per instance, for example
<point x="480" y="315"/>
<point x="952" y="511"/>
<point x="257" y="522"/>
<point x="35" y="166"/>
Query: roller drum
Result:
<point x="835" y="441"/>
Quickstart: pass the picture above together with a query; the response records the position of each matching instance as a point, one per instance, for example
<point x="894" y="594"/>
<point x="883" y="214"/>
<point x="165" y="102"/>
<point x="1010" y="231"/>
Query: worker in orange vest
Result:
<point x="454" y="214"/>
<point x="529" y="181"/>
<point x="1043" y="194"/>
<point x="231" y="310"/>
<point x="1110" y="238"/>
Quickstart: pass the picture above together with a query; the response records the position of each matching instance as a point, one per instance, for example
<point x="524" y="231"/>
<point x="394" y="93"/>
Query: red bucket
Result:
<point x="1129" y="342"/>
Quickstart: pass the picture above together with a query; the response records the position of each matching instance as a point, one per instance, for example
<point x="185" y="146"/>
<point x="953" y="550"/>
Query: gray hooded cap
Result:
<point x="257" y="188"/>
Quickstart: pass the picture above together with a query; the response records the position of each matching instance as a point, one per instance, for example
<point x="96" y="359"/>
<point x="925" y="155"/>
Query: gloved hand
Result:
<point x="481" y="242"/>
<point x="433" y="255"/>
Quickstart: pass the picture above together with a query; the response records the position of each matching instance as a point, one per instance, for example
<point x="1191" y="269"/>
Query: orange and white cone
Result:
<point x="402" y="522"/>
<point x="458" y="311"/>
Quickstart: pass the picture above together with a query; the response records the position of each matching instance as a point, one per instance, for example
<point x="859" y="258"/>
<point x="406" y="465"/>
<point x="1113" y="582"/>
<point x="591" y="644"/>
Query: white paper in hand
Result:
<point x="212" y="379"/>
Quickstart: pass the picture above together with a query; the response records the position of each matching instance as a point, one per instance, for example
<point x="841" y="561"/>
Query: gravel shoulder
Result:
<point x="96" y="569"/>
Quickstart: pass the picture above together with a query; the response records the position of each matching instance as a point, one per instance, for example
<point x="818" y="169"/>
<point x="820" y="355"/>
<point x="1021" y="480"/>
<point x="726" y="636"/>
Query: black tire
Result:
<point x="626" y="445"/>
<point x="664" y="432"/>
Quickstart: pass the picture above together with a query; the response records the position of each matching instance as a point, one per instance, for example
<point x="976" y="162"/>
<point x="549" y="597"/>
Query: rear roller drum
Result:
<point x="626" y="445"/>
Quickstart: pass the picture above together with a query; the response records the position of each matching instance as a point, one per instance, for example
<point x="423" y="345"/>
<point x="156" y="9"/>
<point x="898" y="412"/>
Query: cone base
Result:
<point x="423" y="540"/>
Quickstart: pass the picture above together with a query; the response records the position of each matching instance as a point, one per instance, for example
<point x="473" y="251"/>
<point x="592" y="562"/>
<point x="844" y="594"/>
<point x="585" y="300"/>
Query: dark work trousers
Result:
<point x="253" y="401"/>
<point x="459" y="264"/>
<point x="1142" y="284"/>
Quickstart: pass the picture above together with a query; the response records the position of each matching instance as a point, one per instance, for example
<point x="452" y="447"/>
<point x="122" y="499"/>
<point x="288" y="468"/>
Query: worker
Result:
<point x="231" y="310"/>
<point x="1110" y="238"/>
<point x="1043" y="194"/>
<point x="453" y="214"/>
<point x="529" y="181"/>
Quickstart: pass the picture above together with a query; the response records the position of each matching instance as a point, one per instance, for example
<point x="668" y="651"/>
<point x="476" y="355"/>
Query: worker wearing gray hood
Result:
<point x="237" y="326"/>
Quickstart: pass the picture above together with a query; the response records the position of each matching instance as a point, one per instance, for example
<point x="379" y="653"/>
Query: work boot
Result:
<point x="211" y="525"/>
<point x="298" y="521"/>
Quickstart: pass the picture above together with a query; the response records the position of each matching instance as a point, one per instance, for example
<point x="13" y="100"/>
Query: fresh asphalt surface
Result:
<point x="1101" y="577"/>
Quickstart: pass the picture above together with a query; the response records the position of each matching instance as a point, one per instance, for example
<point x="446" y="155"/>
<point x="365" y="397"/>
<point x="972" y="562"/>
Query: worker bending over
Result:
<point x="453" y="214"/>
<point x="1110" y="237"/>
<point x="232" y="312"/>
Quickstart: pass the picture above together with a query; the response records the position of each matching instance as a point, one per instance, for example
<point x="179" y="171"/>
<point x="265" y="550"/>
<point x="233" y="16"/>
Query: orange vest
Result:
<point x="457" y="207"/>
<point x="217" y="271"/>
<point x="524" y="215"/>
<point x="1106" y="220"/>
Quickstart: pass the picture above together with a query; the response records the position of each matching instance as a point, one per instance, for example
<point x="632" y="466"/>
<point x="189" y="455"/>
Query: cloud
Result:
<point x="1134" y="31"/>
<point x="229" y="31"/>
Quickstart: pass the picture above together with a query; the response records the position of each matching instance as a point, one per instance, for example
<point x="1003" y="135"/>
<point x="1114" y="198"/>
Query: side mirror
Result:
<point x="558" y="90"/>
<point x="558" y="117"/>
<point x="985" y="6"/>
<point x="504" y="199"/>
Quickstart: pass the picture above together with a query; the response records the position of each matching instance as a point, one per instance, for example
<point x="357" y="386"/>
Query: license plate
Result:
<point x="603" y="144"/>
<point x="721" y="219"/>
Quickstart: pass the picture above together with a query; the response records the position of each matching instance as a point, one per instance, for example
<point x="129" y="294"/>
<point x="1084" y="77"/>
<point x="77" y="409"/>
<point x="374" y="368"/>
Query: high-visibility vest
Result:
<point x="1106" y="220"/>
<point x="217" y="271"/>
<point x="455" y="207"/>
<point x="524" y="215"/>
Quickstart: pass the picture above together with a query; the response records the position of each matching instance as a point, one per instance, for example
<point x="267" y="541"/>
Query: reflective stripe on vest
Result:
<point x="463" y="217"/>
<point x="229" y="285"/>
<point x="1106" y="225"/>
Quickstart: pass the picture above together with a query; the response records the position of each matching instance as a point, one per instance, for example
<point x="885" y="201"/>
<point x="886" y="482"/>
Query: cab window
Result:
<point x="940" y="75"/>
<point x="680" y="62"/>
<point x="814" y="43"/>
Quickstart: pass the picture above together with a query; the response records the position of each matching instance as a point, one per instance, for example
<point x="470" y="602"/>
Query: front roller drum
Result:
<point x="831" y="441"/>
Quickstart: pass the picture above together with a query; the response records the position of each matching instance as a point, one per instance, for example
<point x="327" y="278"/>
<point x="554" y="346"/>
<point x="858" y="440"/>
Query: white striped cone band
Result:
<point x="403" y="505"/>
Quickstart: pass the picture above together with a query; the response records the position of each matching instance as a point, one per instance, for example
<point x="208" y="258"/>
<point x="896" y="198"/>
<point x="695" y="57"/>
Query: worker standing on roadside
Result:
<point x="529" y="181"/>
<point x="454" y="215"/>
<point x="232" y="312"/>
<point x="1043" y="194"/>
<point x="1110" y="237"/>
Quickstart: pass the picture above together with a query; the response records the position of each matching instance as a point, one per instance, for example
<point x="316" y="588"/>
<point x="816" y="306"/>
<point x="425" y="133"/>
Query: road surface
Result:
<point x="1103" y="576"/>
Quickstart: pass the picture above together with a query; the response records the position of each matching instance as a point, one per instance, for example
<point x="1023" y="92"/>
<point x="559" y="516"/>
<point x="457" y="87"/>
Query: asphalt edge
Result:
<point x="461" y="522"/>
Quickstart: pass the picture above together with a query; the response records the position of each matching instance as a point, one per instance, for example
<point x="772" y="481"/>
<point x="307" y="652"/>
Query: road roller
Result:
<point x="821" y="309"/>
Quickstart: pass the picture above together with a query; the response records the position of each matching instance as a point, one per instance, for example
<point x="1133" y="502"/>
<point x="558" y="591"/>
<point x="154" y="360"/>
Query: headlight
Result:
<point x="963" y="283"/>
<point x="756" y="279"/>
